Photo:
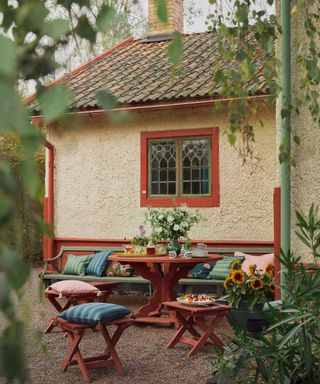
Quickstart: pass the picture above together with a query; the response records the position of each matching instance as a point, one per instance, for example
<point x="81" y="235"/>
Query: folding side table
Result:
<point x="200" y="321"/>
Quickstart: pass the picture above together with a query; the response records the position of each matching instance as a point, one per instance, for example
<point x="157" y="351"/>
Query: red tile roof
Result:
<point x="137" y="71"/>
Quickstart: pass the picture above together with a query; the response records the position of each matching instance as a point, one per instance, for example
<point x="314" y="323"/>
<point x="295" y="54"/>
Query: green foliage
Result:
<point x="289" y="351"/>
<point x="175" y="49"/>
<point x="309" y="230"/>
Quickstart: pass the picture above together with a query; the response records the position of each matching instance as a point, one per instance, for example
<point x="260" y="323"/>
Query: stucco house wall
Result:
<point x="97" y="177"/>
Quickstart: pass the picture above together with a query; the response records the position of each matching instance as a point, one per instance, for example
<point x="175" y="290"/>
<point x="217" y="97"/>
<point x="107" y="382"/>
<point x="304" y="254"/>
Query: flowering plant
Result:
<point x="140" y="239"/>
<point x="171" y="224"/>
<point x="254" y="287"/>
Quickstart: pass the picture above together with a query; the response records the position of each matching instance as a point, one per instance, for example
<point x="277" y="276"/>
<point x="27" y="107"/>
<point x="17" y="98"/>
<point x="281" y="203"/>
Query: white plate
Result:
<point x="196" y="303"/>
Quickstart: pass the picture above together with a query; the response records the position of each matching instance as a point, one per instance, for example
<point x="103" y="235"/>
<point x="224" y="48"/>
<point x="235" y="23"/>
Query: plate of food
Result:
<point x="196" y="300"/>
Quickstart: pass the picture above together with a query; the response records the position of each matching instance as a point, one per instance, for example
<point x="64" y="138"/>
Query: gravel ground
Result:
<point x="141" y="348"/>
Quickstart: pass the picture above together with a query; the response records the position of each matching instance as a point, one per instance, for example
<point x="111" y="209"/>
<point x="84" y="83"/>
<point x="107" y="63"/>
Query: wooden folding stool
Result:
<point x="201" y="322"/>
<point x="108" y="357"/>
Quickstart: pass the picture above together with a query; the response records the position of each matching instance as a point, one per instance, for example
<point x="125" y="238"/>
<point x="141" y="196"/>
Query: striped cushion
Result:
<point x="93" y="313"/>
<point x="76" y="265"/>
<point x="98" y="263"/>
<point x="222" y="267"/>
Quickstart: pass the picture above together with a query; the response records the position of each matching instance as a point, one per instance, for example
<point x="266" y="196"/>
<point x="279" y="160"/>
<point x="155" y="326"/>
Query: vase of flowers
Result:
<point x="172" y="225"/>
<point x="248" y="292"/>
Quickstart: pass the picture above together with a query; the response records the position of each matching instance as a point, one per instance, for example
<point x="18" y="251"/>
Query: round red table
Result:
<point x="163" y="273"/>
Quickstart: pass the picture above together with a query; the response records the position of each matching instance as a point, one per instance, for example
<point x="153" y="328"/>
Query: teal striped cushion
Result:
<point x="93" y="313"/>
<point x="98" y="263"/>
<point x="76" y="265"/>
<point x="221" y="269"/>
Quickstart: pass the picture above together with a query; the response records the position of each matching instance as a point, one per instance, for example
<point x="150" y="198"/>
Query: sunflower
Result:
<point x="237" y="277"/>
<point x="235" y="265"/>
<point x="256" y="284"/>
<point x="272" y="287"/>
<point x="252" y="269"/>
<point x="227" y="282"/>
<point x="270" y="270"/>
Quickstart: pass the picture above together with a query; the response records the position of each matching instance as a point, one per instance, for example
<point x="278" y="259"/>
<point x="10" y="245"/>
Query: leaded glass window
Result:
<point x="163" y="167"/>
<point x="180" y="166"/>
<point x="195" y="164"/>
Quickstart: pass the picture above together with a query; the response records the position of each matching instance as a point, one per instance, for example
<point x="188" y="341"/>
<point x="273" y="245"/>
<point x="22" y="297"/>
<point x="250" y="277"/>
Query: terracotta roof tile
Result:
<point x="140" y="72"/>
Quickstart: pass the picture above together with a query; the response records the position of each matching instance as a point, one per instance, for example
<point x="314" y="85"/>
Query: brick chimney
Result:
<point x="175" y="18"/>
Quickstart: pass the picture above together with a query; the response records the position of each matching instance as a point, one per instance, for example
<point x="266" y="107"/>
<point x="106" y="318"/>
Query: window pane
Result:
<point x="196" y="166"/>
<point x="155" y="188"/>
<point x="163" y="163"/>
<point x="172" y="188"/>
<point x="205" y="187"/>
<point x="186" y="188"/>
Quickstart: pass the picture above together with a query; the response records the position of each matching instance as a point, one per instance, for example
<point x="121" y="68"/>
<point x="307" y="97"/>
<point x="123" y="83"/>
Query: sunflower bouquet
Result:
<point x="254" y="287"/>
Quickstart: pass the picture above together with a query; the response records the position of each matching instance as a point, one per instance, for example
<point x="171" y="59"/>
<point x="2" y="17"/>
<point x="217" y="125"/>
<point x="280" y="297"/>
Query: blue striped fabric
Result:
<point x="93" y="313"/>
<point x="98" y="263"/>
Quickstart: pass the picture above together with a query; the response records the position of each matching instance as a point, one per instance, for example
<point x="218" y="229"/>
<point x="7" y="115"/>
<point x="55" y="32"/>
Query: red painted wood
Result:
<point x="277" y="238"/>
<point x="163" y="274"/>
<point x="211" y="201"/>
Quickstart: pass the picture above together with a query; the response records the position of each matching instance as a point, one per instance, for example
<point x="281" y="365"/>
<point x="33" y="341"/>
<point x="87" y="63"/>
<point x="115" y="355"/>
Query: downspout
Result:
<point x="285" y="102"/>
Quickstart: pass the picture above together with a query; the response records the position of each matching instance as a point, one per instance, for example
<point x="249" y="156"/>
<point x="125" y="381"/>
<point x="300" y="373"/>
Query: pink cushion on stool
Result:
<point x="73" y="287"/>
<point x="260" y="261"/>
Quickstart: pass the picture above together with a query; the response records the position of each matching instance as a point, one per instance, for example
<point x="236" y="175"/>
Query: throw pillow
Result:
<point x="119" y="270"/>
<point x="201" y="271"/>
<point x="221" y="269"/>
<point x="260" y="261"/>
<point x="98" y="263"/>
<point x="93" y="313"/>
<point x="76" y="265"/>
<point x="74" y="287"/>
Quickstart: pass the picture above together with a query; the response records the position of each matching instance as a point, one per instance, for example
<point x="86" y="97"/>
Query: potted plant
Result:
<point x="172" y="225"/>
<point x="247" y="293"/>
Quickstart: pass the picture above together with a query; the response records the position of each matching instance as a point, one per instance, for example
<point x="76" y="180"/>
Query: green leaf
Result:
<point x="175" y="49"/>
<point x="56" y="28"/>
<point x="31" y="16"/>
<point x="296" y="139"/>
<point x="106" y="99"/>
<point x="105" y="17"/>
<point x="232" y="139"/>
<point x="16" y="269"/>
<point x="29" y="174"/>
<point x="85" y="30"/>
<point x="8" y="56"/>
<point x="162" y="11"/>
<point x="283" y="157"/>
<point x="54" y="102"/>
<point x="13" y="114"/>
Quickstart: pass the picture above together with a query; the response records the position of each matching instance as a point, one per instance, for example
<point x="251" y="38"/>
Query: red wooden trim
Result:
<point x="29" y="99"/>
<point x="48" y="246"/>
<point x="208" y="201"/>
<point x="277" y="238"/>
<point x="37" y="121"/>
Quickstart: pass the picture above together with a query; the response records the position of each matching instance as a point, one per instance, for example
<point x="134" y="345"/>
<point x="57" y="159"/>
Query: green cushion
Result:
<point x="221" y="269"/>
<point x="76" y="265"/>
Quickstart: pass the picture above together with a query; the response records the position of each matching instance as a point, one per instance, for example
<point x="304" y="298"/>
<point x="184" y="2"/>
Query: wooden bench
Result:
<point x="57" y="264"/>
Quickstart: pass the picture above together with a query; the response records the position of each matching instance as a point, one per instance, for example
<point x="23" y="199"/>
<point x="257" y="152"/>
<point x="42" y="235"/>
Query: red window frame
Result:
<point x="191" y="201"/>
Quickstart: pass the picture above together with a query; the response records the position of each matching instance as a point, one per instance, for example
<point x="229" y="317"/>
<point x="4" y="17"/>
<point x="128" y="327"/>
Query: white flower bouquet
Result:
<point x="171" y="224"/>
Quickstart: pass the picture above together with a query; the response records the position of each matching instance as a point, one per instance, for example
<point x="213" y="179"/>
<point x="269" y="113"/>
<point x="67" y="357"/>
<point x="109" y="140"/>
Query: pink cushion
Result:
<point x="260" y="261"/>
<point x="73" y="287"/>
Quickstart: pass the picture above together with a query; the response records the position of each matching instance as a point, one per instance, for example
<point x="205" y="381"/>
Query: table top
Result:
<point x="216" y="307"/>
<point x="212" y="257"/>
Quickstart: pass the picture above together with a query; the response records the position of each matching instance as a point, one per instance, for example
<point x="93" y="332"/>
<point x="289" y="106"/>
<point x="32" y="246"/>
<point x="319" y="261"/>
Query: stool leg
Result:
<point x="112" y="351"/>
<point x="74" y="350"/>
